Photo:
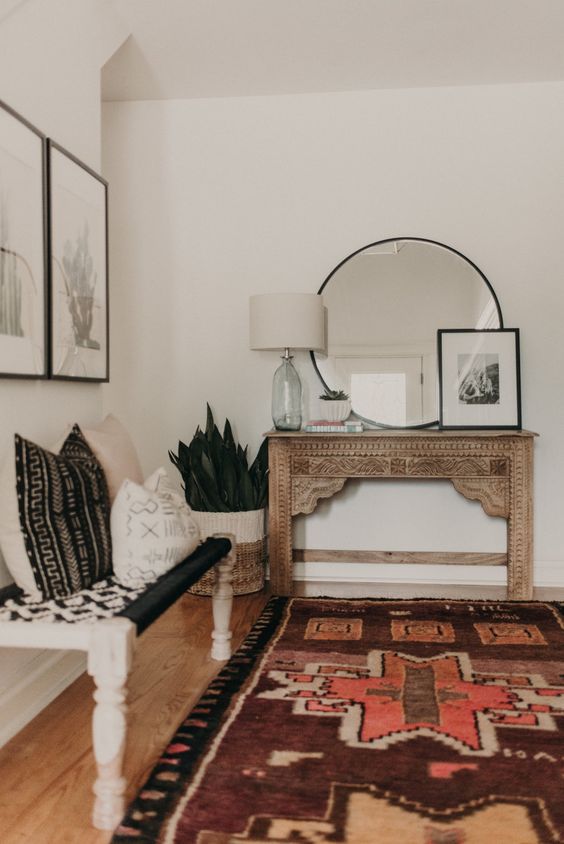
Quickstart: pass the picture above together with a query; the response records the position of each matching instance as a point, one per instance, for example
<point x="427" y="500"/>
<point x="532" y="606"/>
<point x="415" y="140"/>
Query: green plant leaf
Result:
<point x="230" y="480"/>
<point x="204" y="476"/>
<point x="334" y="395"/>
<point x="260" y="463"/>
<point x="199" y="437"/>
<point x="242" y="456"/>
<point x="208" y="492"/>
<point x="208" y="469"/>
<point x="183" y="453"/>
<point x="228" y="437"/>
<point x="209" y="505"/>
<point x="216" y="448"/>
<point x="192" y="495"/>
<point x="209" y="422"/>
<point x="181" y="460"/>
<point x="216" y="473"/>
<point x="247" y="498"/>
<point x="198" y="446"/>
<point x="262" y="494"/>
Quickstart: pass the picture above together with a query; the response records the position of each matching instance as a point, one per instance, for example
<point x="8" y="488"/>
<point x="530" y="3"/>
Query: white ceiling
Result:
<point x="226" y="48"/>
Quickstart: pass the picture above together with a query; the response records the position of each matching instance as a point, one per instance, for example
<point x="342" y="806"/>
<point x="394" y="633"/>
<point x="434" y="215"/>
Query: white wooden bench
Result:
<point x="109" y="644"/>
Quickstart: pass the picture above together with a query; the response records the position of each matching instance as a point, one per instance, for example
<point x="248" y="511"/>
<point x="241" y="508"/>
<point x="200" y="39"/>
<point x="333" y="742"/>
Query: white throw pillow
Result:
<point x="152" y="530"/>
<point x="112" y="445"/>
<point x="11" y="537"/>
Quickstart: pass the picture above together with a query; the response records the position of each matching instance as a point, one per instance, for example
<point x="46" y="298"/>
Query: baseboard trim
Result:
<point x="44" y="679"/>
<point x="546" y="573"/>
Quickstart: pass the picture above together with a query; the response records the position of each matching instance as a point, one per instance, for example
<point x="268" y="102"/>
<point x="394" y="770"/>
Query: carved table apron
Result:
<point x="494" y="467"/>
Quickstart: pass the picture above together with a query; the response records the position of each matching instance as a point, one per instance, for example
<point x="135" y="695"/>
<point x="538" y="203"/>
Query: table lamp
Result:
<point x="287" y="321"/>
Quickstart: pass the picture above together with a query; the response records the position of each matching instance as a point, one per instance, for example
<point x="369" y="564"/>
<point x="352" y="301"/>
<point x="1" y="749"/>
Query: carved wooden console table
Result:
<point x="494" y="467"/>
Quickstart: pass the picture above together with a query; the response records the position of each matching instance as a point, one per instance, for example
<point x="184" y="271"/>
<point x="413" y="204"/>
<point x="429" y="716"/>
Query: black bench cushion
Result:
<point x="109" y="598"/>
<point x="167" y="589"/>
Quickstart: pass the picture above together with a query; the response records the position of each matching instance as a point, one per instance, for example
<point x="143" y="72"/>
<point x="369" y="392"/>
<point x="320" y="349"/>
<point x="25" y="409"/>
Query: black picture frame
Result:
<point x="479" y="378"/>
<point x="78" y="269"/>
<point x="23" y="248"/>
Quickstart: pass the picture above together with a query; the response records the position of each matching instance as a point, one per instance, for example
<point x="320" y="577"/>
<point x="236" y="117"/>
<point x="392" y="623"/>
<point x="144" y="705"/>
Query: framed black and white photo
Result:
<point x="479" y="378"/>
<point x="23" y="270"/>
<point x="78" y="269"/>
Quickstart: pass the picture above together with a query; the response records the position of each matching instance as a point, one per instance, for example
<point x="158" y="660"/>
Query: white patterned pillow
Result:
<point x="152" y="530"/>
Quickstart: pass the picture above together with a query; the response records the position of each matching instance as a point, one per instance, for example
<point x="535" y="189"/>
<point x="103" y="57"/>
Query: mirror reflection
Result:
<point x="385" y="303"/>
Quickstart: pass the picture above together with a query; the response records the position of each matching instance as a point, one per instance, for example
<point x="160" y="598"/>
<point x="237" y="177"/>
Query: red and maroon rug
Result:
<point x="396" y="722"/>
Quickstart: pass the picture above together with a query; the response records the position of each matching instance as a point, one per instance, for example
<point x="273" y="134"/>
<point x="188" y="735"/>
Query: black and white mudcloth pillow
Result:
<point x="64" y="514"/>
<point x="104" y="600"/>
<point x="152" y="530"/>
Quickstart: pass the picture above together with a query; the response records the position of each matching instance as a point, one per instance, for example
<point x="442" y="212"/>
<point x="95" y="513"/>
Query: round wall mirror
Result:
<point x="384" y="305"/>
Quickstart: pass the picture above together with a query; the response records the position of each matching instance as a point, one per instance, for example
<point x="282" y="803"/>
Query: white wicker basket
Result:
<point x="248" y="527"/>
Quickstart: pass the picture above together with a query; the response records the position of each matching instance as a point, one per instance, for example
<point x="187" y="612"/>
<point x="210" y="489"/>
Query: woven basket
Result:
<point x="250" y="563"/>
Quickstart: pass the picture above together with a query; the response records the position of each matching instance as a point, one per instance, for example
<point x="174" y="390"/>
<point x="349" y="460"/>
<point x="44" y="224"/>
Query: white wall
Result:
<point x="213" y="200"/>
<point x="401" y="299"/>
<point x="51" y="54"/>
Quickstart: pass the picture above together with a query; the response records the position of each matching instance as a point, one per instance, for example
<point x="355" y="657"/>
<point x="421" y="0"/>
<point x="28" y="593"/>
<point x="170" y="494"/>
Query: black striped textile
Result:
<point x="64" y="510"/>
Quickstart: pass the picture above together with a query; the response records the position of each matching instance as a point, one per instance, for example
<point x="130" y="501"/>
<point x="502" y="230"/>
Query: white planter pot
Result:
<point x="250" y="534"/>
<point x="335" y="411"/>
<point x="248" y="526"/>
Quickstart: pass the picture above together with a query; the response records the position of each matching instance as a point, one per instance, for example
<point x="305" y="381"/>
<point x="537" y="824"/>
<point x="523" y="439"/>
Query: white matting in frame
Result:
<point x="22" y="248"/>
<point x="479" y="378"/>
<point x="78" y="269"/>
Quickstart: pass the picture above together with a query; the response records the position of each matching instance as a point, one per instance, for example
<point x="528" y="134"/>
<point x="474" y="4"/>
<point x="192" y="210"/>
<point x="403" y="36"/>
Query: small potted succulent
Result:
<point x="336" y="405"/>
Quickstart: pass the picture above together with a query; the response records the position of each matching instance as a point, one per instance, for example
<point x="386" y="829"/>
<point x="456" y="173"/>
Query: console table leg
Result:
<point x="520" y="524"/>
<point x="280" y="518"/>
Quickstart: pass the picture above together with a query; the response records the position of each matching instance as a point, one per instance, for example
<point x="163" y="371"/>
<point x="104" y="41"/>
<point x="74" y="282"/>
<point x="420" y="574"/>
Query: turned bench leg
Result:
<point x="109" y="661"/>
<point x="222" y="603"/>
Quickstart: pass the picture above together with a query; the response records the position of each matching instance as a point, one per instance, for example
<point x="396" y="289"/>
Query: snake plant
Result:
<point x="216" y="472"/>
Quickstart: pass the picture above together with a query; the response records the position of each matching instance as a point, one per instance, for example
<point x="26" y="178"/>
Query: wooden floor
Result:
<point x="47" y="770"/>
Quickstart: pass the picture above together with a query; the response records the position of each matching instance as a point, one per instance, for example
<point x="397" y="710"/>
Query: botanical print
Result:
<point x="80" y="282"/>
<point x="22" y="335"/>
<point x="478" y="379"/>
<point x="78" y="265"/>
<point x="11" y="282"/>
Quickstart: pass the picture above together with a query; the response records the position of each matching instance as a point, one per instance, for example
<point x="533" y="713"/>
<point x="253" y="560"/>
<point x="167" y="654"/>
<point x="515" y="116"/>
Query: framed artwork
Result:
<point x="78" y="269"/>
<point x="23" y="269"/>
<point x="479" y="378"/>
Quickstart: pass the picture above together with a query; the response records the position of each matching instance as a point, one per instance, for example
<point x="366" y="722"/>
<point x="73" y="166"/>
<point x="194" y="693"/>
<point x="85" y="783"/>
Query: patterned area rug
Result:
<point x="397" y="722"/>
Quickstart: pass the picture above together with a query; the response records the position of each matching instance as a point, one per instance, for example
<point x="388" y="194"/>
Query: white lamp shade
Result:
<point x="287" y="321"/>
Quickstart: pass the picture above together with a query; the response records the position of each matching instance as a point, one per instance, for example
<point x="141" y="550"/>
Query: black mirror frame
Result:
<point x="488" y="284"/>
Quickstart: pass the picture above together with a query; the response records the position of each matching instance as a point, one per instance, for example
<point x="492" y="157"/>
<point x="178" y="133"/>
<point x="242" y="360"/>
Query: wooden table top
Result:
<point x="407" y="432"/>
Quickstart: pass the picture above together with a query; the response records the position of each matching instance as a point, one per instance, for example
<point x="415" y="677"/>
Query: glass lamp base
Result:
<point x="288" y="423"/>
<point x="286" y="397"/>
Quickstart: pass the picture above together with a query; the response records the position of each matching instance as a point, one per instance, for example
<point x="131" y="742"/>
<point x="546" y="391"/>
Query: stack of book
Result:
<point x="324" y="426"/>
